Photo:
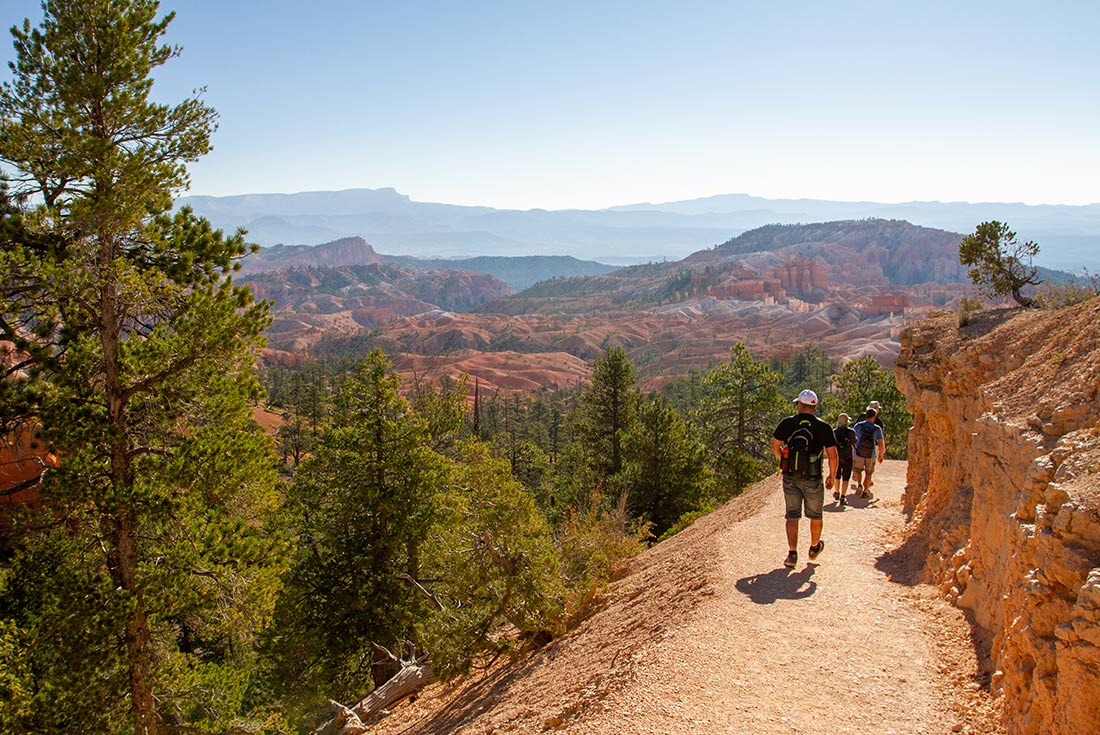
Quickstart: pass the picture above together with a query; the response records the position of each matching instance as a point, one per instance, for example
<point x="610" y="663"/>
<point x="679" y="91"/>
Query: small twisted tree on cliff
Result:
<point x="997" y="261"/>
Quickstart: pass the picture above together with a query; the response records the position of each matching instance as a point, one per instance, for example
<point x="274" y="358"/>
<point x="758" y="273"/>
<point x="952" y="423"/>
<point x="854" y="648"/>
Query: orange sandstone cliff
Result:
<point x="1003" y="498"/>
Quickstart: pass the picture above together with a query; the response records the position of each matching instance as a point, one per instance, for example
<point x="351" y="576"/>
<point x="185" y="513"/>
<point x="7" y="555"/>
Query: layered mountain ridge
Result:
<point x="518" y="271"/>
<point x="846" y="287"/>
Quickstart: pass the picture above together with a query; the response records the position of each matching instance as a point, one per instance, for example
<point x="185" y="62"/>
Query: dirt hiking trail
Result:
<point x="709" y="633"/>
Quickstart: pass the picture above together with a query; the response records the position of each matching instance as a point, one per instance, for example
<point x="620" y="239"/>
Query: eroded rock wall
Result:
<point x="1003" y="498"/>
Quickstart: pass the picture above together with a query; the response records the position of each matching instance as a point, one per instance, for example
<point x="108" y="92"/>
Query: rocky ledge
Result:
<point x="1003" y="498"/>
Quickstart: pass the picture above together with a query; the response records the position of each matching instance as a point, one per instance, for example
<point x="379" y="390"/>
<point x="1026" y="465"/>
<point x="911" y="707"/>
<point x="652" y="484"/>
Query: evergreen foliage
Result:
<point x="593" y="541"/>
<point x="60" y="677"/>
<point x="363" y="504"/>
<point x="738" y="414"/>
<point x="684" y="394"/>
<point x="665" y="471"/>
<point x="136" y="365"/>
<point x="533" y="468"/>
<point x="608" y="410"/>
<point x="304" y="402"/>
<point x="410" y="538"/>
<point x="490" y="561"/>
<point x="808" y="367"/>
<point x="443" y="406"/>
<point x="576" y="484"/>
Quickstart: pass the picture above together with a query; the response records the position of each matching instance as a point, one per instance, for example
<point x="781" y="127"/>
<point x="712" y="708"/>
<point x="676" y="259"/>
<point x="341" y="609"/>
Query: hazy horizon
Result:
<point x="581" y="105"/>
<point x="395" y="223"/>
<point x="619" y="205"/>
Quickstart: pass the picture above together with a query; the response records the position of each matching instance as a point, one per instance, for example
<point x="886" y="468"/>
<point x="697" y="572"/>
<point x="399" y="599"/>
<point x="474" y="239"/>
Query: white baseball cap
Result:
<point x="808" y="397"/>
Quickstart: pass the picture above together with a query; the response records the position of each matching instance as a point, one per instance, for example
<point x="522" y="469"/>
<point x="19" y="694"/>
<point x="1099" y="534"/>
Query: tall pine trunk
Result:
<point x="138" y="640"/>
<point x="122" y="516"/>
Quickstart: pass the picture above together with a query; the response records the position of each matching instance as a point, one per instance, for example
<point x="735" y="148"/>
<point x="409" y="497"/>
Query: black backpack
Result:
<point x="800" y="460"/>
<point x="865" y="445"/>
<point x="845" y="437"/>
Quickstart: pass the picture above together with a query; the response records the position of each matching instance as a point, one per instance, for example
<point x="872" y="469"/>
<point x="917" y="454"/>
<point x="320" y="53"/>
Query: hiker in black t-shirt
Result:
<point x="845" y="444"/>
<point x="800" y="442"/>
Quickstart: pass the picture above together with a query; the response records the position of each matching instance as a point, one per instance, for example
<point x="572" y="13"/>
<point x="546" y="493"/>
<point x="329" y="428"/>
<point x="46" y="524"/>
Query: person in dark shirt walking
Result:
<point x="799" y="443"/>
<point x="845" y="443"/>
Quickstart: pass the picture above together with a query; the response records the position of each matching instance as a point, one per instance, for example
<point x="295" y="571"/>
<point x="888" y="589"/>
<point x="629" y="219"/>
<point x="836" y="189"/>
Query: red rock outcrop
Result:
<point x="888" y="303"/>
<point x="22" y="462"/>
<point x="1003" y="496"/>
<point x="801" y="276"/>
<point x="23" y="458"/>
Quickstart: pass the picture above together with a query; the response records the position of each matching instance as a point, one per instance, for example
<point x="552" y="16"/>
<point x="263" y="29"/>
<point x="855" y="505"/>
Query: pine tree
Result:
<point x="809" y="367"/>
<point x="293" y="437"/>
<point x="364" y="502"/>
<point x="738" y="417"/>
<point x="490" y="559"/>
<point x="665" y="472"/>
<point x="608" y="408"/>
<point x="997" y="262"/>
<point x="137" y="365"/>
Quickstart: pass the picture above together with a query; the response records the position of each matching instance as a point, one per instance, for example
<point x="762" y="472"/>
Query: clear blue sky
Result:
<point x="561" y="104"/>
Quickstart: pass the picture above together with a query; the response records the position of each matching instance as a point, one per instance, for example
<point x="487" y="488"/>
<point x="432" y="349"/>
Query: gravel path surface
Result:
<point x="709" y="633"/>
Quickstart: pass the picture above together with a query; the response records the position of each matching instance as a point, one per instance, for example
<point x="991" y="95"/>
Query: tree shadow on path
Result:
<point x="764" y="589"/>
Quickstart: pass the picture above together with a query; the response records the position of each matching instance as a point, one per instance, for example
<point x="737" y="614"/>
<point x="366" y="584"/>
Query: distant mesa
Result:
<point x="518" y="272"/>
<point x="345" y="251"/>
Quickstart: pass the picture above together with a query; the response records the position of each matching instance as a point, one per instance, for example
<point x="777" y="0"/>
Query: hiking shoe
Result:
<point x="867" y="495"/>
<point x="792" y="560"/>
<point x="836" y="495"/>
<point x="815" y="551"/>
<point x="843" y="501"/>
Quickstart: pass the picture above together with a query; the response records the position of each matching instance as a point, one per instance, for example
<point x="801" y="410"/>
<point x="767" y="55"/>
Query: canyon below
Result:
<point x="976" y="574"/>
<point x="847" y="288"/>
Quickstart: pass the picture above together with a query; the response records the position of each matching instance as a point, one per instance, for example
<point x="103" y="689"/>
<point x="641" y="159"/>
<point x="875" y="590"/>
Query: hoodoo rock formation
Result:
<point x="1003" y="498"/>
<point x="802" y="277"/>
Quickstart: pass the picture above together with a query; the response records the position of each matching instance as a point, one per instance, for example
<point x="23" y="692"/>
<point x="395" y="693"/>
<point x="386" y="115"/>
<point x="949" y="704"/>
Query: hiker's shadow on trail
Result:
<point x="851" y="502"/>
<point x="764" y="589"/>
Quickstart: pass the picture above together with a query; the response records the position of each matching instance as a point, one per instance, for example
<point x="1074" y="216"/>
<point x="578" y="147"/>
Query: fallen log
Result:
<point x="412" y="677"/>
